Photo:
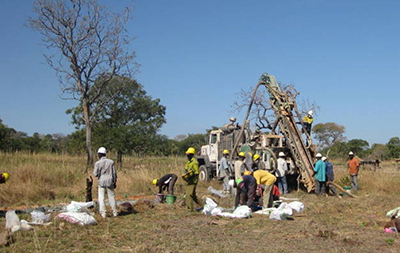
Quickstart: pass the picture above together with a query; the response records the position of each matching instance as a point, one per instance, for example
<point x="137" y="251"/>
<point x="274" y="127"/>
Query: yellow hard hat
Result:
<point x="6" y="176"/>
<point x="225" y="152"/>
<point x="155" y="181"/>
<point x="242" y="154"/>
<point x="256" y="156"/>
<point x="247" y="172"/>
<point x="190" y="151"/>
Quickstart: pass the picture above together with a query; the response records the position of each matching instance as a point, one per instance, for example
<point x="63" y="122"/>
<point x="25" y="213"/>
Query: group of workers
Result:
<point x="251" y="179"/>
<point x="324" y="174"/>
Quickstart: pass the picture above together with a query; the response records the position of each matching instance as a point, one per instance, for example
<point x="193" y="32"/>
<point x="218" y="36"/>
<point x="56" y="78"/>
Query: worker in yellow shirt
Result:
<point x="191" y="177"/>
<point x="266" y="180"/>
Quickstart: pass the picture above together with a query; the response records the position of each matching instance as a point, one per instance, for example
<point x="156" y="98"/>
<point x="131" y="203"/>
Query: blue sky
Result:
<point x="197" y="55"/>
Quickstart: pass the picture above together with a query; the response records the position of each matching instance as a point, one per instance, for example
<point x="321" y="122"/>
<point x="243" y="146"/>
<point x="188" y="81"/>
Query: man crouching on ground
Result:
<point x="105" y="171"/>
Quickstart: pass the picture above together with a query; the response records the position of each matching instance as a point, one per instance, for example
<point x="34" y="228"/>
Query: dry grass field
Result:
<point x="327" y="224"/>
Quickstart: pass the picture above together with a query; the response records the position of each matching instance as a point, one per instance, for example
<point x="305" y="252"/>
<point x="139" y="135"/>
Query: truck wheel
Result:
<point x="203" y="174"/>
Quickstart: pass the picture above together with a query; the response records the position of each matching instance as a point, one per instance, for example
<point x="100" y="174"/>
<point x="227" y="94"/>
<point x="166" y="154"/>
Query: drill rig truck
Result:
<point x="285" y="135"/>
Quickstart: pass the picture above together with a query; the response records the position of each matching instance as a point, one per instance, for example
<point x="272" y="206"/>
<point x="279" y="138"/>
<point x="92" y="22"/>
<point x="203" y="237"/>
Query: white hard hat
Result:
<point x="351" y="153"/>
<point x="318" y="155"/>
<point x="323" y="158"/>
<point x="102" y="150"/>
<point x="233" y="119"/>
<point x="281" y="154"/>
<point x="231" y="182"/>
<point x="310" y="112"/>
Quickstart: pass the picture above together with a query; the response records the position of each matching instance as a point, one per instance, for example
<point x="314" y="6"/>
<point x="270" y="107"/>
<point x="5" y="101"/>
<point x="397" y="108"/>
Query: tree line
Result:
<point x="149" y="143"/>
<point x="330" y="140"/>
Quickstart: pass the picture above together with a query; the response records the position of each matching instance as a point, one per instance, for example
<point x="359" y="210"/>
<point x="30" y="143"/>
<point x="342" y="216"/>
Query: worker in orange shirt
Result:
<point x="354" y="165"/>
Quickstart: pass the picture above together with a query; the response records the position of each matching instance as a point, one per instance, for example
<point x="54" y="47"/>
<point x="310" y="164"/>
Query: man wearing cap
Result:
<point x="354" y="167"/>
<point x="105" y="171"/>
<point x="225" y="171"/>
<point x="258" y="164"/>
<point x="240" y="166"/>
<point x="281" y="172"/>
<point x="319" y="175"/>
<point x="191" y="176"/>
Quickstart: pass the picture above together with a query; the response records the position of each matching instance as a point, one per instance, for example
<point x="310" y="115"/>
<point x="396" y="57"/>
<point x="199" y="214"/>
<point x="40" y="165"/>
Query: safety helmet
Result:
<point x="242" y="154"/>
<point x="225" y="152"/>
<point x="256" y="156"/>
<point x="102" y="150"/>
<point x="190" y="151"/>
<point x="281" y="154"/>
<point x="233" y="119"/>
<point x="247" y="172"/>
<point x="323" y="158"/>
<point x="231" y="183"/>
<point x="351" y="153"/>
<point x="310" y="112"/>
<point x="6" y="176"/>
<point x="318" y="155"/>
<point x="155" y="181"/>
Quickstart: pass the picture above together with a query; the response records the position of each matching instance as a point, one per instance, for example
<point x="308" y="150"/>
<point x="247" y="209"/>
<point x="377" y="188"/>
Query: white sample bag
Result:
<point x="78" y="218"/>
<point x="209" y="206"/>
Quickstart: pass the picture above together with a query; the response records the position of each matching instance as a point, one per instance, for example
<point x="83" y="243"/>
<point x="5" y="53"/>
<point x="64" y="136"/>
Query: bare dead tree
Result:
<point x="87" y="43"/>
<point x="261" y="112"/>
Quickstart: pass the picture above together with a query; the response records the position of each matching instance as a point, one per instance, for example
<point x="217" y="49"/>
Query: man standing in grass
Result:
<point x="225" y="171"/>
<point x="319" y="175"/>
<point x="353" y="166"/>
<point x="105" y="171"/>
<point x="191" y="177"/>
<point x="281" y="172"/>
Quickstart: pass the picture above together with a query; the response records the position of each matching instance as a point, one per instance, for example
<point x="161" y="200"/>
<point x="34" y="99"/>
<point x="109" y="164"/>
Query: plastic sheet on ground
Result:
<point x="79" y="206"/>
<point x="80" y="218"/>
<point x="39" y="218"/>
<point x="211" y="190"/>
<point x="240" y="212"/>
<point x="283" y="211"/>
<point x="211" y="208"/>
<point x="297" y="206"/>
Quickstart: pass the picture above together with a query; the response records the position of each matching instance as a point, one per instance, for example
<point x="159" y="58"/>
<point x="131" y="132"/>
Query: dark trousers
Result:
<point x="171" y="184"/>
<point x="191" y="196"/>
<point x="245" y="195"/>
<point x="320" y="187"/>
<point x="330" y="187"/>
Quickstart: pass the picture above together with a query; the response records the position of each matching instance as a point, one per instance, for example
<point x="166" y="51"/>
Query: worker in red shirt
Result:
<point x="354" y="165"/>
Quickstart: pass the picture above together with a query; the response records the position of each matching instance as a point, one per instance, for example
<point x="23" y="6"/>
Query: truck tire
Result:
<point x="204" y="175"/>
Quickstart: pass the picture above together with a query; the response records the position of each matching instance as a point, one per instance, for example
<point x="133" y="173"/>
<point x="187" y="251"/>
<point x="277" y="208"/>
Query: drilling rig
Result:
<point x="285" y="134"/>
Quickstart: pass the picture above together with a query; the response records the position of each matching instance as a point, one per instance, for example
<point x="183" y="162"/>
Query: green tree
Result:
<point x="92" y="44"/>
<point x="358" y="146"/>
<point x="380" y="152"/>
<point x="128" y="121"/>
<point x="394" y="147"/>
<point x="327" y="134"/>
<point x="193" y="140"/>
